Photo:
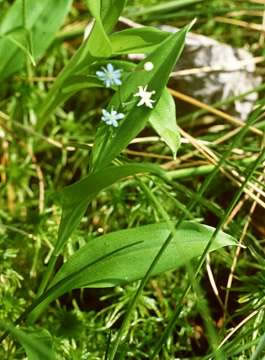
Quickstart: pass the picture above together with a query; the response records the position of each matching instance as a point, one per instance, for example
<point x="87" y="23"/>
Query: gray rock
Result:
<point x="216" y="71"/>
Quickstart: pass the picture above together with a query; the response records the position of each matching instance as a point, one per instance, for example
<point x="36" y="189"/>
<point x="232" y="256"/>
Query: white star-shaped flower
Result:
<point x="145" y="97"/>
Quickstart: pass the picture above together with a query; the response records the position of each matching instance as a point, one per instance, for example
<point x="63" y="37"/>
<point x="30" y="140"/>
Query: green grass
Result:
<point x="178" y="306"/>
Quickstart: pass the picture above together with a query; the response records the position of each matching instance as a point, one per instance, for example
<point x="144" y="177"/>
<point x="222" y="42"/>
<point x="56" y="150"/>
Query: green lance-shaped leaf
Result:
<point x="163" y="120"/>
<point x="106" y="13"/>
<point x="75" y="198"/>
<point x="36" y="343"/>
<point x="107" y="147"/>
<point x="124" y="256"/>
<point x="43" y="19"/>
<point x="102" y="47"/>
<point x="143" y="40"/>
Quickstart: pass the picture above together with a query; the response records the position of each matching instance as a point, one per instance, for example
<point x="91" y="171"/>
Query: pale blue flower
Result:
<point x="109" y="75"/>
<point x="111" y="118"/>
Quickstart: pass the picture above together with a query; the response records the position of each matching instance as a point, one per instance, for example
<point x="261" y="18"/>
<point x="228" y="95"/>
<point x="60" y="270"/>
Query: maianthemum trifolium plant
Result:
<point x="139" y="96"/>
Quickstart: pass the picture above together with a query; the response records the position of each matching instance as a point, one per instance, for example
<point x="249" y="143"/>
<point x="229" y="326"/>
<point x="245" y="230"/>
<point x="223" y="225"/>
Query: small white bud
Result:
<point x="148" y="66"/>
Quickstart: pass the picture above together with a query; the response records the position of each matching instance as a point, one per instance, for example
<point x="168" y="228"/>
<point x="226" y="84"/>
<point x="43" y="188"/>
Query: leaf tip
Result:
<point x="192" y="23"/>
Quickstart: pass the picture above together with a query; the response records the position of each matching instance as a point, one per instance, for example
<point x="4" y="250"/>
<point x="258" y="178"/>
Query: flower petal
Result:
<point x="100" y="73"/>
<point x="110" y="68"/>
<point x="120" y="116"/>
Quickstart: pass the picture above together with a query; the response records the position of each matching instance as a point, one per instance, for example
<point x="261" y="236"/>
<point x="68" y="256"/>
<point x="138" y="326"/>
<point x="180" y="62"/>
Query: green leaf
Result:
<point x="110" y="13"/>
<point x="124" y="256"/>
<point x="36" y="343"/>
<point x="94" y="7"/>
<point x="140" y="247"/>
<point x="75" y="198"/>
<point x="102" y="46"/>
<point x="143" y="40"/>
<point x="20" y="38"/>
<point x="107" y="147"/>
<point x="43" y="20"/>
<point x="163" y="120"/>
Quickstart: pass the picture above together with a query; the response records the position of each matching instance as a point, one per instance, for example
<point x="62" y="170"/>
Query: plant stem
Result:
<point x="199" y="170"/>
